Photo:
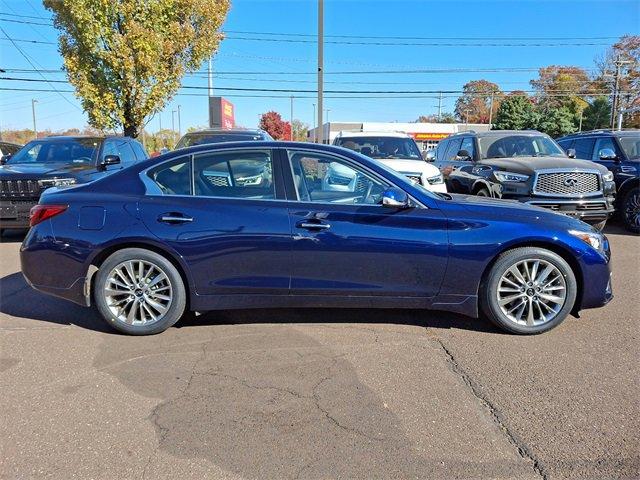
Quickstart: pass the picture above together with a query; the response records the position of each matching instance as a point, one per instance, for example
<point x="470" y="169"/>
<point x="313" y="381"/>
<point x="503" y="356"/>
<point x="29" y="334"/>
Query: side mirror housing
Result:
<point x="394" y="197"/>
<point x="463" y="155"/>
<point x="109" y="160"/>
<point x="429" y="156"/>
<point x="571" y="153"/>
<point x="607" y="154"/>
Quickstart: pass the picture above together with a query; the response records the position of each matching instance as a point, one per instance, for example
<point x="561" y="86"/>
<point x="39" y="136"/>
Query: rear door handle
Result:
<point x="313" y="226"/>
<point x="174" y="218"/>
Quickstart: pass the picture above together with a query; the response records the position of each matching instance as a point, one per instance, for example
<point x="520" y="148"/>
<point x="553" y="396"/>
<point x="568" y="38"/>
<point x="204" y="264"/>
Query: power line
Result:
<point x="23" y="16"/>
<point x="22" y="40"/>
<point x="26" y="22"/>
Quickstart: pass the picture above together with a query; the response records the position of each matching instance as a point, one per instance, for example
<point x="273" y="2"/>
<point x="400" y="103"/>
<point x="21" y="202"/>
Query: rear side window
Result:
<point x="173" y="178"/>
<point x="565" y="144"/>
<point x="241" y="174"/>
<point x="584" y="147"/>
<point x="467" y="144"/>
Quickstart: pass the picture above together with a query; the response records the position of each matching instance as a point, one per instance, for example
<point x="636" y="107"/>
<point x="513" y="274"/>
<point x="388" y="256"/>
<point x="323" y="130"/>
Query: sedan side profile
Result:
<point x="253" y="225"/>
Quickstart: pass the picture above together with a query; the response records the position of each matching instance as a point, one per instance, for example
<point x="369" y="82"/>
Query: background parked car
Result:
<point x="527" y="166"/>
<point x="396" y="150"/>
<point x="619" y="151"/>
<point x="58" y="161"/>
<point x="217" y="135"/>
<point x="7" y="149"/>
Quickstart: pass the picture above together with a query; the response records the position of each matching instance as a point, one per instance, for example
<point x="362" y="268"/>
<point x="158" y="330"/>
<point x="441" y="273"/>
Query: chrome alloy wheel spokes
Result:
<point x="138" y="292"/>
<point x="531" y="292"/>
<point x="632" y="210"/>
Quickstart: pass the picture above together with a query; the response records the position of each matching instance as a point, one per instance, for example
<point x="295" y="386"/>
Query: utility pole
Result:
<point x="315" y="134"/>
<point x="440" y="107"/>
<point x="179" y="126"/>
<point x="210" y="77"/>
<point x="466" y="116"/>
<point x="173" y="122"/>
<point x="616" y="86"/>
<point x="33" y="112"/>
<point x="320" y="67"/>
<point x="580" y="125"/>
<point x="491" y="110"/>
<point x="291" y="117"/>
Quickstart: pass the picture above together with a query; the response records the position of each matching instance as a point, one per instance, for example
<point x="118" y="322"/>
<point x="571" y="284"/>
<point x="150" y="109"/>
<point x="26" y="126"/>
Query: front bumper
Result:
<point x="14" y="213"/>
<point x="590" y="211"/>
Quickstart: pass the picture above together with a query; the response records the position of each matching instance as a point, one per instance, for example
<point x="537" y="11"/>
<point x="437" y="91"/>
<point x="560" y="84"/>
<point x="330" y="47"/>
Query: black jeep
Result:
<point x="527" y="166"/>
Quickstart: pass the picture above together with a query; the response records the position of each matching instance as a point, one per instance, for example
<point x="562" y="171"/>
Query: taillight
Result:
<point x="40" y="213"/>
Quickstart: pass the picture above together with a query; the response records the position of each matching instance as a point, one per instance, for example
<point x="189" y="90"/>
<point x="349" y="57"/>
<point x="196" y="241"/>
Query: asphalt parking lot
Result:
<point x="318" y="393"/>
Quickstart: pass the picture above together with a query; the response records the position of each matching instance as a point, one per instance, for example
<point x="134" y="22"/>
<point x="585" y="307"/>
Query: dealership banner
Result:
<point x="428" y="136"/>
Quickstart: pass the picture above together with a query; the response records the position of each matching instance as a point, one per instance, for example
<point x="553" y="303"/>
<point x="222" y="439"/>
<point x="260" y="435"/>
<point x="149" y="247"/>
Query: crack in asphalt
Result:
<point x="523" y="449"/>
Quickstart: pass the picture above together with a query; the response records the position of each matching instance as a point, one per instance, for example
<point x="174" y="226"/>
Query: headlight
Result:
<point x="57" y="182"/>
<point x="436" y="180"/>
<point x="596" y="240"/>
<point x="608" y="177"/>
<point x="510" y="177"/>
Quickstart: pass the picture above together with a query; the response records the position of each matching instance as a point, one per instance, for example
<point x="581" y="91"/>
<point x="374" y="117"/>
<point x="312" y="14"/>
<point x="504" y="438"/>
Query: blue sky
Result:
<point x="296" y="62"/>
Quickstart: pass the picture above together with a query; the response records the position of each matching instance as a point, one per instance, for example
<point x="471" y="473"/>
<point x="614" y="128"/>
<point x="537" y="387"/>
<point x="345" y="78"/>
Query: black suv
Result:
<point x="527" y="166"/>
<point x="619" y="151"/>
<point x="218" y="135"/>
<point x="55" y="162"/>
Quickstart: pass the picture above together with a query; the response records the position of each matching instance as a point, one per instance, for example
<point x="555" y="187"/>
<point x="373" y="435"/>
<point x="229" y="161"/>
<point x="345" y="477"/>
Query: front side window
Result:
<point x="518" y="146"/>
<point x="631" y="146"/>
<point x="327" y="179"/>
<point x="240" y="174"/>
<point x="78" y="150"/>
<point x="453" y="149"/>
<point x="119" y="148"/>
<point x="604" y="143"/>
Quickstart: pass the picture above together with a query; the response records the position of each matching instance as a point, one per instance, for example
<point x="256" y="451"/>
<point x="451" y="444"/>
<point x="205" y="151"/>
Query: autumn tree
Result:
<point x="444" y="118"/>
<point x="474" y="103"/>
<point x="516" y="112"/>
<point x="300" y="131"/>
<point x="560" y="86"/>
<point x="272" y="123"/>
<point x="126" y="58"/>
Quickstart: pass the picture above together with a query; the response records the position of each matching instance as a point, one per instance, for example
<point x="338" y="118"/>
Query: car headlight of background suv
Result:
<point x="595" y="239"/>
<point x="435" y="180"/>
<point x="510" y="177"/>
<point x="607" y="177"/>
<point x="56" y="182"/>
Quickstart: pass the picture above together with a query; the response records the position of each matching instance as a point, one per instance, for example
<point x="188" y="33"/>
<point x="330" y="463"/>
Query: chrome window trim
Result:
<point x="385" y="180"/>
<point x="568" y="170"/>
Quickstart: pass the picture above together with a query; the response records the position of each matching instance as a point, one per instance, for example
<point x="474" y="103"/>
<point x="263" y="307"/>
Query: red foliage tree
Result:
<point x="272" y="123"/>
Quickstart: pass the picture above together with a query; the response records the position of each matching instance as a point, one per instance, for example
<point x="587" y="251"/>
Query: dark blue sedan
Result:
<point x="275" y="224"/>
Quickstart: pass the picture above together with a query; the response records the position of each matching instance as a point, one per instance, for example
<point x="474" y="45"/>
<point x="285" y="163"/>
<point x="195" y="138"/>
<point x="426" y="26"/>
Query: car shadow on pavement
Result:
<point x="13" y="236"/>
<point x="18" y="299"/>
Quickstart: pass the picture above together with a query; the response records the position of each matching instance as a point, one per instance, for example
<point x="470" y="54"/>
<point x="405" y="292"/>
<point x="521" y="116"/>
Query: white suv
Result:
<point x="396" y="150"/>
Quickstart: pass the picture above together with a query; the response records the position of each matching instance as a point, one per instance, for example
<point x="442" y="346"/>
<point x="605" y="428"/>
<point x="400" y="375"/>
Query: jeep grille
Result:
<point x="567" y="184"/>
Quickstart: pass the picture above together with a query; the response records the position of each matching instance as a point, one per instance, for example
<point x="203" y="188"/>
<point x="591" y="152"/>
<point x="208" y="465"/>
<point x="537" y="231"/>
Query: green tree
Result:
<point x="597" y="114"/>
<point x="474" y="103"/>
<point x="444" y="118"/>
<point x="300" y="130"/>
<point x="126" y="58"/>
<point x="516" y="112"/>
<point x="556" y="122"/>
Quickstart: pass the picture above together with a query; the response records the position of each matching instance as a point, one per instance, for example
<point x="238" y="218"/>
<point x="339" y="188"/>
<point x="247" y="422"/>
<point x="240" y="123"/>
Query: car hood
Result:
<point x="43" y="169"/>
<point x="528" y="165"/>
<point x="410" y="166"/>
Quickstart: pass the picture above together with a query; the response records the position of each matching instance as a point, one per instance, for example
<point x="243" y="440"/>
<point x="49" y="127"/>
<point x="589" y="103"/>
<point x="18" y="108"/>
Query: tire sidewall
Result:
<point x="490" y="305"/>
<point x="178" y="303"/>
<point x="627" y="198"/>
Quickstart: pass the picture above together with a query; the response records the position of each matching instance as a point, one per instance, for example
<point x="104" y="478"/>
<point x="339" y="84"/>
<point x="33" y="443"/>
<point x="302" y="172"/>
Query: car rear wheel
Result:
<point x="631" y="210"/>
<point x="139" y="292"/>
<point x="528" y="290"/>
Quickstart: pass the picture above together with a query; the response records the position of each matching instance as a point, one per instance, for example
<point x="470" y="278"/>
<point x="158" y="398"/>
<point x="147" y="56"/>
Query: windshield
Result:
<point x="518" y="146"/>
<point x="77" y="150"/>
<point x="631" y="146"/>
<point x="382" y="147"/>
<point x="192" y="139"/>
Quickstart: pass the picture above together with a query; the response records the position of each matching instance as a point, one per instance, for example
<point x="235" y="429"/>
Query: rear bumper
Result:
<point x="15" y="213"/>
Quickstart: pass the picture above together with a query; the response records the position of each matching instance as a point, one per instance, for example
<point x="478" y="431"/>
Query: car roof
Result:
<point x="226" y="130"/>
<point x="603" y="132"/>
<point x="503" y="133"/>
<point x="55" y="138"/>
<point x="348" y="134"/>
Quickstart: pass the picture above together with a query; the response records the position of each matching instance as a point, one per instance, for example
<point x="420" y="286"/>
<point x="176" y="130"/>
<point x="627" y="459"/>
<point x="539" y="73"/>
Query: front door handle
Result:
<point x="313" y="226"/>
<point x="174" y="218"/>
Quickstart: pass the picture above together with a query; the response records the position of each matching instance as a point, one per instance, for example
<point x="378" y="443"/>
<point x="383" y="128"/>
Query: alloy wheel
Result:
<point x="138" y="292"/>
<point x="632" y="209"/>
<point x="531" y="292"/>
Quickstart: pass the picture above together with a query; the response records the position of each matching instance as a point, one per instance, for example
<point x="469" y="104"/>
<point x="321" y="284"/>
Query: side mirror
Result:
<point x="607" y="154"/>
<point x="463" y="155"/>
<point x="109" y="160"/>
<point x="394" y="197"/>
<point x="430" y="156"/>
<point x="5" y="158"/>
<point x="571" y="153"/>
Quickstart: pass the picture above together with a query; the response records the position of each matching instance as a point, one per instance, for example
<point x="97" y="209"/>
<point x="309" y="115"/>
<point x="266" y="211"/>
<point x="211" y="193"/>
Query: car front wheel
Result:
<point x="528" y="290"/>
<point x="631" y="210"/>
<point x="139" y="292"/>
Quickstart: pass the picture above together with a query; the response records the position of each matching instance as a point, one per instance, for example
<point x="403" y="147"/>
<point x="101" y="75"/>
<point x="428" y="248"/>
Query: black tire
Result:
<point x="631" y="210"/>
<point x="600" y="225"/>
<point x="489" y="289"/>
<point x="178" y="294"/>
<point x="483" y="192"/>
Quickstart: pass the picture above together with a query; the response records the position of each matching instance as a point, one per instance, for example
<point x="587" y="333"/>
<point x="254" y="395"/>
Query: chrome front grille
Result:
<point x="567" y="184"/>
<point x="20" y="188"/>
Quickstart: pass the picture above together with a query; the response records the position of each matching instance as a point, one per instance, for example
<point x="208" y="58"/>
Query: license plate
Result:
<point x="8" y="212"/>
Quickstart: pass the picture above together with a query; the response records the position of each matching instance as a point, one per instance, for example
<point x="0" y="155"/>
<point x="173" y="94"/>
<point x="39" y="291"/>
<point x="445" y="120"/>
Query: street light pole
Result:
<point x="320" y="66"/>
<point x="173" y="122"/>
<point x="33" y="112"/>
<point x="179" y="125"/>
<point x="491" y="110"/>
<point x="315" y="133"/>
